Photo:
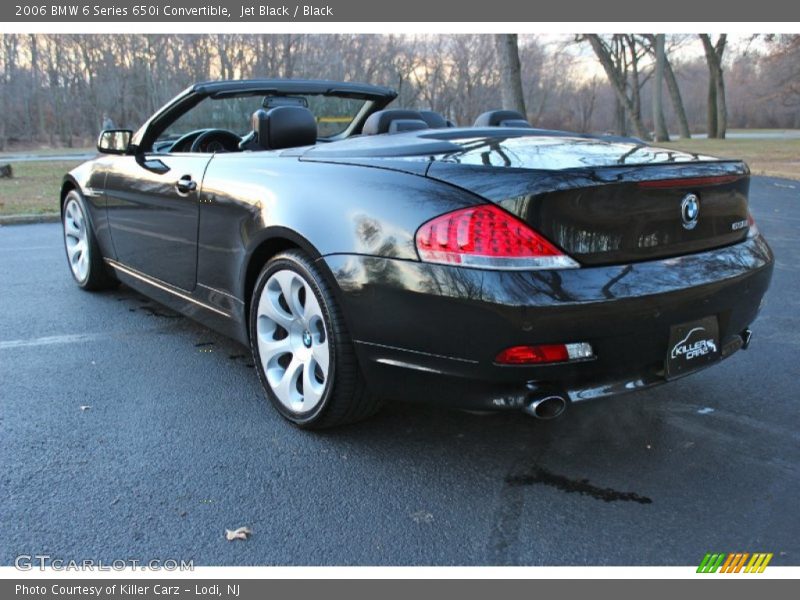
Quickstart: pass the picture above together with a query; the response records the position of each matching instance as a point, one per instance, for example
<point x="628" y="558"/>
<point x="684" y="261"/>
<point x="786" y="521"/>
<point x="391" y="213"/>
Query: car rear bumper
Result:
<point x="431" y="332"/>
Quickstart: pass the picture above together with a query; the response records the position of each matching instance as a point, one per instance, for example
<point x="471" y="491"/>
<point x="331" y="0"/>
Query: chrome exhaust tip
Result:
<point x="547" y="407"/>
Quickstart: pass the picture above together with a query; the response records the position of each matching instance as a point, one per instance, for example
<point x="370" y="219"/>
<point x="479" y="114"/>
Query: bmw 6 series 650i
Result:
<point x="366" y="253"/>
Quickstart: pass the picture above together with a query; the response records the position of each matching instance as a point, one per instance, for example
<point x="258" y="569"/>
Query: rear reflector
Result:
<point x="544" y="354"/>
<point x="487" y="237"/>
<point x="752" y="228"/>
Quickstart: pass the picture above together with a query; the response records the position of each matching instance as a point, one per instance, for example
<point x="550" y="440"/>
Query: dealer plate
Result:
<point x="692" y="346"/>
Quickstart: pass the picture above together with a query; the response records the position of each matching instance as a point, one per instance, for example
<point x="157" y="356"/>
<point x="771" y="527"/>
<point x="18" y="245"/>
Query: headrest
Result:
<point x="291" y="126"/>
<point x="393" y="121"/>
<point x="284" y="127"/>
<point x="434" y="119"/>
<point x="501" y="118"/>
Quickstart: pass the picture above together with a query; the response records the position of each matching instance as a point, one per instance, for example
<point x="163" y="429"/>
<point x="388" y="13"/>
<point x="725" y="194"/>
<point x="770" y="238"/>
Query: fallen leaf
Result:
<point x="422" y="516"/>
<point x="237" y="534"/>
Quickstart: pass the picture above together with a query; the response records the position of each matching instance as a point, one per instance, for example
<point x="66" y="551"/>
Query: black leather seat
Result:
<point x="502" y="118"/>
<point x="281" y="127"/>
<point x="394" y="121"/>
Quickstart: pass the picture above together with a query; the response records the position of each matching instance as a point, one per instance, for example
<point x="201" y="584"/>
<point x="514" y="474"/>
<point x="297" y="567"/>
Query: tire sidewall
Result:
<point x="293" y="262"/>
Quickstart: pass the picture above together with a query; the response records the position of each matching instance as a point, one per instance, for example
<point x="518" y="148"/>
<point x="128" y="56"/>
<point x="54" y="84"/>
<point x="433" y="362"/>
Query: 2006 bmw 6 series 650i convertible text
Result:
<point x="365" y="253"/>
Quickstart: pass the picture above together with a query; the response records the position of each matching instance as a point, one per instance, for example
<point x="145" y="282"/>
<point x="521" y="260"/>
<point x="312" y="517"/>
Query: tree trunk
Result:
<point x="37" y="124"/>
<point x="677" y="101"/>
<point x="288" y="58"/>
<point x="717" y="105"/>
<point x="620" y="118"/>
<point x="636" y="99"/>
<point x="661" y="134"/>
<point x="722" y="105"/>
<point x="711" y="114"/>
<point x="3" y="91"/>
<point x="510" y="72"/>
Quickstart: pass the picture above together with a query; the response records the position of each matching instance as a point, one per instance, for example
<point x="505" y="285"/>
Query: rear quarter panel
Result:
<point x="322" y="207"/>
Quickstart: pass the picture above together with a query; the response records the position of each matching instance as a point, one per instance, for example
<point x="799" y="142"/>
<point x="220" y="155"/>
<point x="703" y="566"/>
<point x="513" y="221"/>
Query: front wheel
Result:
<point x="301" y="348"/>
<point x="83" y="253"/>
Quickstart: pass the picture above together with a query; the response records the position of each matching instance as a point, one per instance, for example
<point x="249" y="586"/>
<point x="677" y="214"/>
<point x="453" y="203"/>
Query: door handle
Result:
<point x="186" y="185"/>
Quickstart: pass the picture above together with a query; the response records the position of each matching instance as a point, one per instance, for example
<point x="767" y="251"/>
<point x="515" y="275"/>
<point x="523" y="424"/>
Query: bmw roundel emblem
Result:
<point x="690" y="210"/>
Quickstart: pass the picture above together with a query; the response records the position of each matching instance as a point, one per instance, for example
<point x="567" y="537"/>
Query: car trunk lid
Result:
<point x="607" y="203"/>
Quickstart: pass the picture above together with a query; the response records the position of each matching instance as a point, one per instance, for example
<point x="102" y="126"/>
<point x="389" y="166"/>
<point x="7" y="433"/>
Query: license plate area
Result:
<point x="691" y="346"/>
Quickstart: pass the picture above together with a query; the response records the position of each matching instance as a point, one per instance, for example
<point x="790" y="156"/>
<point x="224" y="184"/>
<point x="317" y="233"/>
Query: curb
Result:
<point x="29" y="219"/>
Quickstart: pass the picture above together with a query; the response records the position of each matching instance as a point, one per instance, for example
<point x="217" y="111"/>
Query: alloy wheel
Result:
<point x="76" y="239"/>
<point x="293" y="341"/>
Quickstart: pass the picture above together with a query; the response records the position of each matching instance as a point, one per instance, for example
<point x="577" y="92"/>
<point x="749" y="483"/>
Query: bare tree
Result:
<point x="784" y="62"/>
<point x="586" y="101"/>
<point x="510" y="72"/>
<point x="618" y="56"/>
<point x="673" y="89"/>
<point x="717" y="105"/>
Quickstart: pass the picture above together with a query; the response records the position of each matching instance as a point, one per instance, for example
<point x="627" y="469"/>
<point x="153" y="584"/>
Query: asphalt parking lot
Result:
<point x="128" y="432"/>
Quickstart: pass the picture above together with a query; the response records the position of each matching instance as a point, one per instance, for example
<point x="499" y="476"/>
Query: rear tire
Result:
<point x="301" y="348"/>
<point x="83" y="254"/>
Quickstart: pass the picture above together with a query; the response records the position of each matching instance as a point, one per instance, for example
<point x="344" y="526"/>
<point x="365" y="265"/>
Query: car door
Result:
<point x="153" y="213"/>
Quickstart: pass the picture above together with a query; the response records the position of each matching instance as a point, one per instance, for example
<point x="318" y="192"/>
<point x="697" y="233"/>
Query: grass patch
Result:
<point x="775" y="158"/>
<point x="24" y="151"/>
<point x="34" y="189"/>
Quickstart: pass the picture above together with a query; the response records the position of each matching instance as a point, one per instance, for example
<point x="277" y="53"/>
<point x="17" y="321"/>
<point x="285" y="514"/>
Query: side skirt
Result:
<point x="228" y="322"/>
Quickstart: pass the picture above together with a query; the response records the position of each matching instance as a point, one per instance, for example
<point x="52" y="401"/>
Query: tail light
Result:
<point x="488" y="237"/>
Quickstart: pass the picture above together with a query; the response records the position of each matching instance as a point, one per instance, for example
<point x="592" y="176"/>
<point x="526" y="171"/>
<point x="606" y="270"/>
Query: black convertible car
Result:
<point x="365" y="253"/>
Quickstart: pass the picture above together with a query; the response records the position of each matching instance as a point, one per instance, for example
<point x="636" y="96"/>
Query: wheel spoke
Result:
<point x="71" y="211"/>
<point x="73" y="250"/>
<point x="312" y="389"/>
<point x="290" y="285"/>
<point x="321" y="356"/>
<point x="83" y="265"/>
<point x="70" y="228"/>
<point x="311" y="308"/>
<point x="286" y="389"/>
<point x="269" y="347"/>
<point x="270" y="308"/>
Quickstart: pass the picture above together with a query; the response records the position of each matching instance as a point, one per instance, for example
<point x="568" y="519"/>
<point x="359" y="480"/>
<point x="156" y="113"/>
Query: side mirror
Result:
<point x="114" y="141"/>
